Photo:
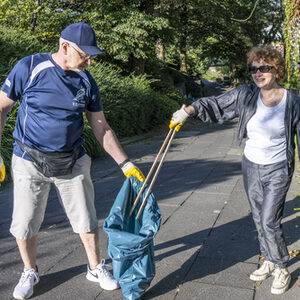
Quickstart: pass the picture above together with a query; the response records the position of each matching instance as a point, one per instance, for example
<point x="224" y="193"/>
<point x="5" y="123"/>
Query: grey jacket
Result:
<point x="242" y="102"/>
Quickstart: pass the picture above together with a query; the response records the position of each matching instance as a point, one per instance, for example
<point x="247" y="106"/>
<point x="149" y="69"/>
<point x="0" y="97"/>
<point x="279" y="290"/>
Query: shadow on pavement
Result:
<point x="220" y="248"/>
<point x="53" y="280"/>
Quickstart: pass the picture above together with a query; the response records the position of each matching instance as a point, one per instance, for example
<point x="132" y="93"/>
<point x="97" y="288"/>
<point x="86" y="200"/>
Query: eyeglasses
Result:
<point x="262" y="69"/>
<point x="83" y="56"/>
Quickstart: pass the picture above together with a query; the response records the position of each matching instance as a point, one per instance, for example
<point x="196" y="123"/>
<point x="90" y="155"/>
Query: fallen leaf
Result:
<point x="178" y="287"/>
<point x="261" y="257"/>
<point x="294" y="253"/>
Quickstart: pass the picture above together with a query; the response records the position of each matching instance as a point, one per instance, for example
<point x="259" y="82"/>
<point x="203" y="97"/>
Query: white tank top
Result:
<point x="266" y="140"/>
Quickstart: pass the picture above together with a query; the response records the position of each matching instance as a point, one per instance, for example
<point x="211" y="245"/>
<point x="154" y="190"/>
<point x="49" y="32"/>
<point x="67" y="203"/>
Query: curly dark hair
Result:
<point x="270" y="56"/>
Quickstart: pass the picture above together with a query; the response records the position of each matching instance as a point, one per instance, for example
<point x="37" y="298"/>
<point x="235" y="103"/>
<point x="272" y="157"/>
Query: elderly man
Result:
<point x="54" y="90"/>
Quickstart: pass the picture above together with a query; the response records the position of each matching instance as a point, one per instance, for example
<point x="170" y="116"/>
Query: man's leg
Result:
<point x="76" y="193"/>
<point x="27" y="250"/>
<point x="97" y="271"/>
<point x="31" y="191"/>
<point x="30" y="276"/>
<point x="90" y="241"/>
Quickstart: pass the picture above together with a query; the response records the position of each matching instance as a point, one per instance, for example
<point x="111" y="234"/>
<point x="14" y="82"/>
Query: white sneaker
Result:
<point x="281" y="281"/>
<point x="263" y="272"/>
<point x="103" y="276"/>
<point x="24" y="289"/>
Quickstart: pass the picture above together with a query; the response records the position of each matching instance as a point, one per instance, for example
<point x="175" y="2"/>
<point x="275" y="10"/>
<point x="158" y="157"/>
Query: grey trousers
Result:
<point x="266" y="187"/>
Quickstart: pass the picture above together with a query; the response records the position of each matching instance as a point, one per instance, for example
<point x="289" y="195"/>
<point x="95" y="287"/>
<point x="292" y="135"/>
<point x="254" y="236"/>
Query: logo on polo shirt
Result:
<point x="79" y="99"/>
<point x="7" y="82"/>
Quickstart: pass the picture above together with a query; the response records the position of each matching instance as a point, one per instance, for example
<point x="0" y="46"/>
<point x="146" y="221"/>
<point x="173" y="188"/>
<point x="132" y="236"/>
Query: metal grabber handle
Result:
<point x="151" y="171"/>
<point x="167" y="141"/>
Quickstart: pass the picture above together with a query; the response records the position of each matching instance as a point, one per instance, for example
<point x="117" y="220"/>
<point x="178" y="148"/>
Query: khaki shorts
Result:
<point x="31" y="191"/>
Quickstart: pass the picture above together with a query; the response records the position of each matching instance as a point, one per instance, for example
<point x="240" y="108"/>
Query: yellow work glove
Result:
<point x="2" y="170"/>
<point x="178" y="118"/>
<point x="129" y="170"/>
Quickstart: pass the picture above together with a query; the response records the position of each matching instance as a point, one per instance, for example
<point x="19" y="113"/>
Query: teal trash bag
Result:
<point x="130" y="241"/>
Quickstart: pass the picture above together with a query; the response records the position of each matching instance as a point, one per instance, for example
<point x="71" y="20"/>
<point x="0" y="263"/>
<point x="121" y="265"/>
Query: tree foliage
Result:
<point x="190" y="34"/>
<point x="43" y="18"/>
<point x="291" y="29"/>
<point x="127" y="30"/>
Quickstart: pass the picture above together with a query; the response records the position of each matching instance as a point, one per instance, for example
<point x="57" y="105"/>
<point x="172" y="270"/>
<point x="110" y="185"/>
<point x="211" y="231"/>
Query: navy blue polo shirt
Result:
<point x="52" y="102"/>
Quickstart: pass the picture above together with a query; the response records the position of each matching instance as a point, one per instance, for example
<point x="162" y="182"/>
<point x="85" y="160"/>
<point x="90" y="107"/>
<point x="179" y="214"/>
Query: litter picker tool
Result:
<point x="165" y="147"/>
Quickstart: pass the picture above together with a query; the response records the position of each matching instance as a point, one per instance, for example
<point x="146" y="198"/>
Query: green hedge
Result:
<point x="131" y="105"/>
<point x="14" y="45"/>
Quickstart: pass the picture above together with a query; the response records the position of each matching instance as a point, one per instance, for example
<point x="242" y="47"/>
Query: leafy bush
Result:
<point x="15" y="45"/>
<point x="293" y="84"/>
<point x="168" y="90"/>
<point x="131" y="106"/>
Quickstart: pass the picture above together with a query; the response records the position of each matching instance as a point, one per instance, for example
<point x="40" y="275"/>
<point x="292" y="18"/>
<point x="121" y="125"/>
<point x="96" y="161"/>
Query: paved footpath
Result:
<point x="206" y="247"/>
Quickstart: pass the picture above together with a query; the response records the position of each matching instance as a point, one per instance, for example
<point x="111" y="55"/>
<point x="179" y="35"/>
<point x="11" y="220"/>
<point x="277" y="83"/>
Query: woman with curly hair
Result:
<point x="269" y="118"/>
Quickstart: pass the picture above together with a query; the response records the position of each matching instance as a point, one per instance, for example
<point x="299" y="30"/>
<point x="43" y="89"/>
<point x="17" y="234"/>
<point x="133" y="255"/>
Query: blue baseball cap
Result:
<point x="83" y="36"/>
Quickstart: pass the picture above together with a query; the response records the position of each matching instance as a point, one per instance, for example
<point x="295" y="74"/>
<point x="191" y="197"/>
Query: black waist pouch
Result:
<point x="52" y="164"/>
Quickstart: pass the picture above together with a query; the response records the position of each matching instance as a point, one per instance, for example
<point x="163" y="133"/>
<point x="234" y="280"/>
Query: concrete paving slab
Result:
<point x="239" y="187"/>
<point x="195" y="290"/>
<point x="237" y="206"/>
<point x="172" y="264"/>
<point x="215" y="189"/>
<point x="220" y="271"/>
<point x="199" y="224"/>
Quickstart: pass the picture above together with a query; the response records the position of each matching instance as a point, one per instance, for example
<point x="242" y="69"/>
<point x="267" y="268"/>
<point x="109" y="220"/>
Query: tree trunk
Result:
<point x="138" y="66"/>
<point x="160" y="51"/>
<point x="33" y="21"/>
<point x="183" y="38"/>
<point x="183" y="65"/>
<point x="34" y="16"/>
